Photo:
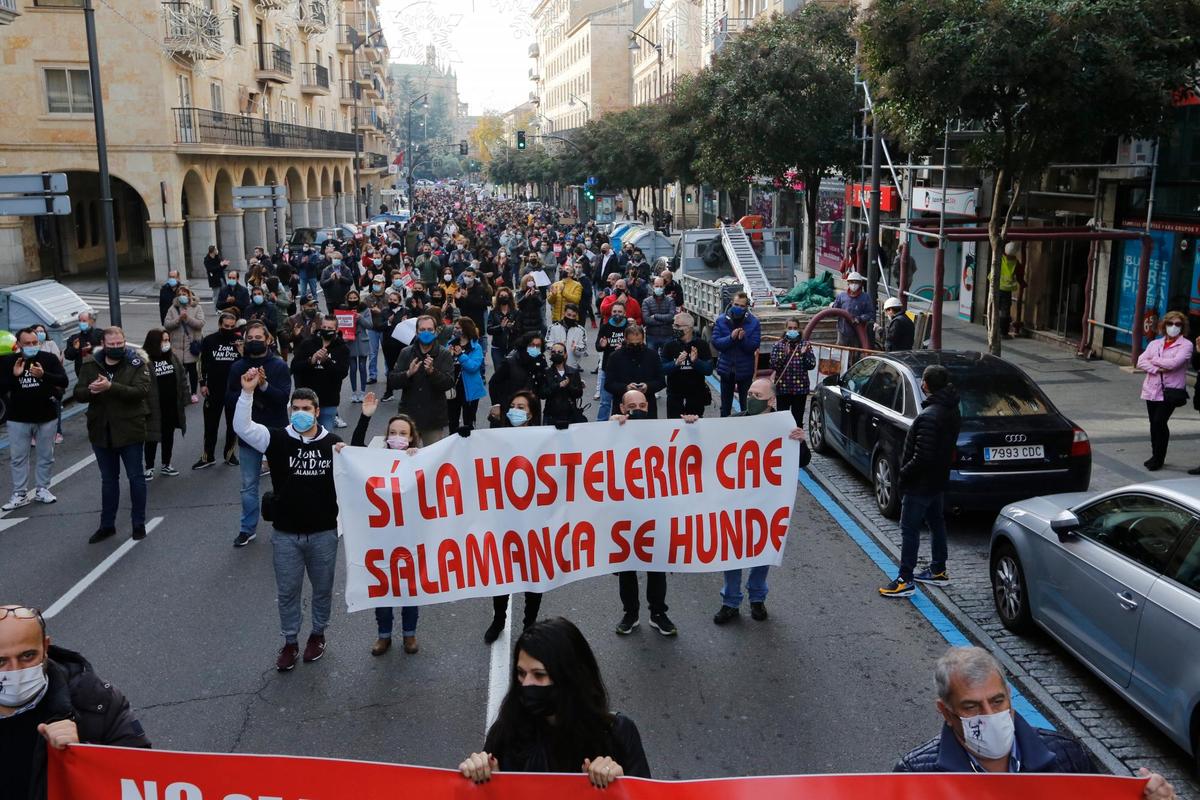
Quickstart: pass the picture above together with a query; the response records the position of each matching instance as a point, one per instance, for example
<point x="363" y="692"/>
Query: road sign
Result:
<point x="253" y="203"/>
<point x="592" y="181"/>
<point x="35" y="205"/>
<point x="46" y="182"/>
<point x="393" y="169"/>
<point x="260" y="191"/>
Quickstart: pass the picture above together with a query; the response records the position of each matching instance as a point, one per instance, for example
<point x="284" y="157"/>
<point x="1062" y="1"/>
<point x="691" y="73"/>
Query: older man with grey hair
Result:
<point x="982" y="732"/>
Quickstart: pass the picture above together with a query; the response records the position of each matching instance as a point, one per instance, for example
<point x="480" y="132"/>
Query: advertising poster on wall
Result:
<point x="1163" y="244"/>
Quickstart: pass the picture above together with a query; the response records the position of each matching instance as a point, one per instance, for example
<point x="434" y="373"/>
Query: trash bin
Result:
<point x="48" y="302"/>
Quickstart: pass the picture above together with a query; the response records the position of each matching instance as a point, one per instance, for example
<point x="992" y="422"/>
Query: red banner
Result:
<point x="115" y="773"/>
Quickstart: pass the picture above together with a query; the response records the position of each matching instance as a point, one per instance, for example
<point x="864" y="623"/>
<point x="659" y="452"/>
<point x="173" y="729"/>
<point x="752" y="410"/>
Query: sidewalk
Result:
<point x="1099" y="397"/>
<point x="96" y="284"/>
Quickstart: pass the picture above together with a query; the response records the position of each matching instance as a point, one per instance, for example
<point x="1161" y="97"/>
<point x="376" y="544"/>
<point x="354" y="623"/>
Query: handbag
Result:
<point x="268" y="506"/>
<point x="194" y="348"/>
<point x="1174" y="397"/>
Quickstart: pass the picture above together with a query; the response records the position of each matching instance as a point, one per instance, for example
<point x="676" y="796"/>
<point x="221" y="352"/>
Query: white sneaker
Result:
<point x="338" y="422"/>
<point x="17" y="500"/>
<point x="42" y="495"/>
<point x="148" y="475"/>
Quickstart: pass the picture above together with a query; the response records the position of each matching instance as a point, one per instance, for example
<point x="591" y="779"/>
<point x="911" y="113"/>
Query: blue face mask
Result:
<point x="172" y="282"/>
<point x="231" y="281"/>
<point x="397" y="284"/>
<point x="737" y="312"/>
<point x="517" y="417"/>
<point x="793" y="335"/>
<point x="184" y="299"/>
<point x="302" y="421"/>
<point x="41" y="336"/>
<point x="534" y="352"/>
<point x="426" y="337"/>
<point x="29" y="352"/>
<point x="83" y="326"/>
<point x="258" y="299"/>
<point x="617" y="321"/>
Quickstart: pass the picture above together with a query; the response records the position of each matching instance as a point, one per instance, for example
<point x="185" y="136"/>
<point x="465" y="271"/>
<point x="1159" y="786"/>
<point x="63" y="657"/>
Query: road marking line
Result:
<point x="498" y="677"/>
<point x="5" y="524"/>
<point x="933" y="615"/>
<point x="95" y="574"/>
<point x="71" y="470"/>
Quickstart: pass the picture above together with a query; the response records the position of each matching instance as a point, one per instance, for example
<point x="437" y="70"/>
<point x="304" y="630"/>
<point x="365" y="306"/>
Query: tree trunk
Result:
<point x="633" y="198"/>
<point x="997" y="232"/>
<point x="812" y="198"/>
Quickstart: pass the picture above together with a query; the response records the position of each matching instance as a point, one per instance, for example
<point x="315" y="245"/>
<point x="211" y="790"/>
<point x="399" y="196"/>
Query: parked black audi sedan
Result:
<point x="1013" y="444"/>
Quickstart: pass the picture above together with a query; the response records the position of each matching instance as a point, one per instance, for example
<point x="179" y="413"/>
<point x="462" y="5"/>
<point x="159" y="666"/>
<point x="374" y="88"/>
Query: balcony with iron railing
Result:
<point x="274" y="63"/>
<point x="314" y="79"/>
<point x="373" y="161"/>
<point x="191" y="30"/>
<point x="369" y="120"/>
<point x="348" y="92"/>
<point x="724" y="28"/>
<point x="201" y="130"/>
<point x="313" y="16"/>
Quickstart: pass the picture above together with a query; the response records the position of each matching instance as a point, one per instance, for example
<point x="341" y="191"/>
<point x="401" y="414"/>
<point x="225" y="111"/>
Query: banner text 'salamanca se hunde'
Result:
<point x="530" y="509"/>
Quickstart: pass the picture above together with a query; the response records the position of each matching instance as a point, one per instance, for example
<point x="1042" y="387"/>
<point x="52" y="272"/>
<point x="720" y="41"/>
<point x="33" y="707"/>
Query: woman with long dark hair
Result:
<point x="555" y="716"/>
<point x="168" y="399"/>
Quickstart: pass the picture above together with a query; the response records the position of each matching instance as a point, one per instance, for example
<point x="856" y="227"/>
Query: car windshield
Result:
<point x="302" y="236"/>
<point x="984" y="393"/>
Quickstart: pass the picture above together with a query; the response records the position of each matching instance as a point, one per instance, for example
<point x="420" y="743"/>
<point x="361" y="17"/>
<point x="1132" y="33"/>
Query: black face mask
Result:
<point x="634" y="348"/>
<point x="638" y="413"/>
<point x="328" y="335"/>
<point x="114" y="353"/>
<point x="255" y="349"/>
<point x="541" y="701"/>
<point x="558" y="358"/>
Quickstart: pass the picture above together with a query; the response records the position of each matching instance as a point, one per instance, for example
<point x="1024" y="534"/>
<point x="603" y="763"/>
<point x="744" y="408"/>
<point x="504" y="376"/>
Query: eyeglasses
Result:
<point x="24" y="612"/>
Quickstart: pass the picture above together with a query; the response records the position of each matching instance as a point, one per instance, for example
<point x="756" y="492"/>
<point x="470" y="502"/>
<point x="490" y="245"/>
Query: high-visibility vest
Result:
<point x="1008" y="274"/>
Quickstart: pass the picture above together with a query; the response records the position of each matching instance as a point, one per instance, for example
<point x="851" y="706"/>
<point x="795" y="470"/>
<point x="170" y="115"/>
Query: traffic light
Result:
<point x="462" y="148"/>
<point x="588" y="193"/>
<point x="520" y="140"/>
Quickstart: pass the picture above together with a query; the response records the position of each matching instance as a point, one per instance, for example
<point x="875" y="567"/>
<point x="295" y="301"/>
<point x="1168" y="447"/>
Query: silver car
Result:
<point x="1115" y="578"/>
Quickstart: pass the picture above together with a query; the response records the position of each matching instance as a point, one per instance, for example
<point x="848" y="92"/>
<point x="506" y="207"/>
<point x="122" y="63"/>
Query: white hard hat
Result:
<point x="892" y="302"/>
<point x="1011" y="249"/>
<point x="856" y="276"/>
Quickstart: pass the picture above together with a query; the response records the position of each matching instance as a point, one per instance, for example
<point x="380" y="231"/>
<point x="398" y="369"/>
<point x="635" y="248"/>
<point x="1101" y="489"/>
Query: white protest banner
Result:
<point x="529" y="509"/>
<point x="406" y="331"/>
<point x="540" y="278"/>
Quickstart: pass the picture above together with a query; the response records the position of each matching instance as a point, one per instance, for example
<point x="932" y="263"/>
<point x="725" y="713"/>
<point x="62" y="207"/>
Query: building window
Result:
<point x="237" y="25"/>
<point x="217" y="96"/>
<point x="68" y="91"/>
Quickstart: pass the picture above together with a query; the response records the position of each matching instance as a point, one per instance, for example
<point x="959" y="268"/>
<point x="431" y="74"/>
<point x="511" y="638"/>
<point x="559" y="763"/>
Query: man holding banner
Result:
<point x="983" y="733"/>
<point x="303" y="510"/>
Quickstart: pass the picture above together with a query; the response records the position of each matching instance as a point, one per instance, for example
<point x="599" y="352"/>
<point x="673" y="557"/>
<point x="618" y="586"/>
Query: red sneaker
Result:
<point x="286" y="661"/>
<point x="315" y="648"/>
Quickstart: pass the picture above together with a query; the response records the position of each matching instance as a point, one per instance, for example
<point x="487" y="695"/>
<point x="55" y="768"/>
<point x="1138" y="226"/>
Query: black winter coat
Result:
<point x="99" y="709"/>
<point x="531" y="309"/>
<point x="516" y="372"/>
<point x="898" y="335"/>
<point x="561" y="402"/>
<point x="325" y="377"/>
<point x="929" y="445"/>
<point x="634" y="365"/>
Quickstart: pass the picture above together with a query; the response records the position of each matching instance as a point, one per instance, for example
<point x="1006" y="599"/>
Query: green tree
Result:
<point x="1045" y="81"/>
<point x="621" y="150"/>
<point x="780" y="97"/>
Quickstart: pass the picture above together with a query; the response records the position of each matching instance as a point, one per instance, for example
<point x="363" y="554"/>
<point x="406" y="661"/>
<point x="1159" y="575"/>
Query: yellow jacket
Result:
<point x="562" y="293"/>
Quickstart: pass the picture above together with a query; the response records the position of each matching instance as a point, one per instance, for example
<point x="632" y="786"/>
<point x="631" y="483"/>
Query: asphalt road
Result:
<point x="837" y="680"/>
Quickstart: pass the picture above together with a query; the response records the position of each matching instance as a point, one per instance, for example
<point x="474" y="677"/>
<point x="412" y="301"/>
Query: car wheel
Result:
<point x="887" y="493"/>
<point x="1010" y="592"/>
<point x="816" y="428"/>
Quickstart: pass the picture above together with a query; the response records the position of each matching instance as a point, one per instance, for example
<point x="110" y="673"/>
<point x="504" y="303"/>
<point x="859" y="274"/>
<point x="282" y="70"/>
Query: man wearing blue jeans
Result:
<point x="760" y="399"/>
<point x="114" y="382"/>
<point x="269" y="408"/>
<point x="609" y="339"/>
<point x="736" y="336"/>
<point x="303" y="514"/>
<point x="385" y="619"/>
<point x="924" y="472"/>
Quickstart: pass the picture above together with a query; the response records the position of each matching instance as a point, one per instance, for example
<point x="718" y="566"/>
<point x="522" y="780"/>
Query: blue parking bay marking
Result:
<point x="940" y="622"/>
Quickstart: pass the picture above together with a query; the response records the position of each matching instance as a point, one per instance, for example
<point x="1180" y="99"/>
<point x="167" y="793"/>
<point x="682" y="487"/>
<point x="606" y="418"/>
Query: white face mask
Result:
<point x="1174" y="330"/>
<point x="19" y="686"/>
<point x="989" y="735"/>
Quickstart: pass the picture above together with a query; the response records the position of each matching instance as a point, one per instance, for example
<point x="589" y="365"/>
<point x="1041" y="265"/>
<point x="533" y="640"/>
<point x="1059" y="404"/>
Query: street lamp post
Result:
<point x="357" y="42"/>
<point x="408" y="157"/>
<point x="586" y="107"/>
<point x="106" y="201"/>
<point x="633" y="45"/>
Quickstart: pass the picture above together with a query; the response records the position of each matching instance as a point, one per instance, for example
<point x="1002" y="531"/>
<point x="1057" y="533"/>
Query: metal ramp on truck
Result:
<point x="746" y="266"/>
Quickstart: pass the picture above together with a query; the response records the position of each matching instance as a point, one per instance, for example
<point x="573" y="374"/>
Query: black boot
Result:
<point x="493" y="631"/>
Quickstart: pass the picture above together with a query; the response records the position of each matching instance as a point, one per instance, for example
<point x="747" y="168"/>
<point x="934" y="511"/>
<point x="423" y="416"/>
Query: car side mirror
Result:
<point x="832" y="380"/>
<point x="1064" y="523"/>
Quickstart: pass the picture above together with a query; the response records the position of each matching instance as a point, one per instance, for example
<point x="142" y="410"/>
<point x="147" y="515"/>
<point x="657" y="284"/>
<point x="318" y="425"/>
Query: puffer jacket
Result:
<point x="1164" y="366"/>
<point x="120" y="416"/>
<point x="1041" y="751"/>
<point x="100" y="710"/>
<point x="929" y="445"/>
<point x="738" y="357"/>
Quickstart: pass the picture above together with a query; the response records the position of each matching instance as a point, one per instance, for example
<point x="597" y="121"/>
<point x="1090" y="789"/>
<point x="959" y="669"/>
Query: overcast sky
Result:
<point x="486" y="41"/>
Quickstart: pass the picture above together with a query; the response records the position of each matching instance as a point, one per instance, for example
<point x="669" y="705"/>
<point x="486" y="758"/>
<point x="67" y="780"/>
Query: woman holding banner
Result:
<point x="401" y="434"/>
<point x="555" y="716"/>
<point x="523" y="412"/>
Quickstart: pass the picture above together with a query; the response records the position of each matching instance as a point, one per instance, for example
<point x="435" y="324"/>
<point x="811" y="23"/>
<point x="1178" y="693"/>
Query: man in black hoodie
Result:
<point x="50" y="697"/>
<point x="924" y="472"/>
<point x="31" y="378"/>
<point x="218" y="351"/>
<point x="321" y="363"/>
